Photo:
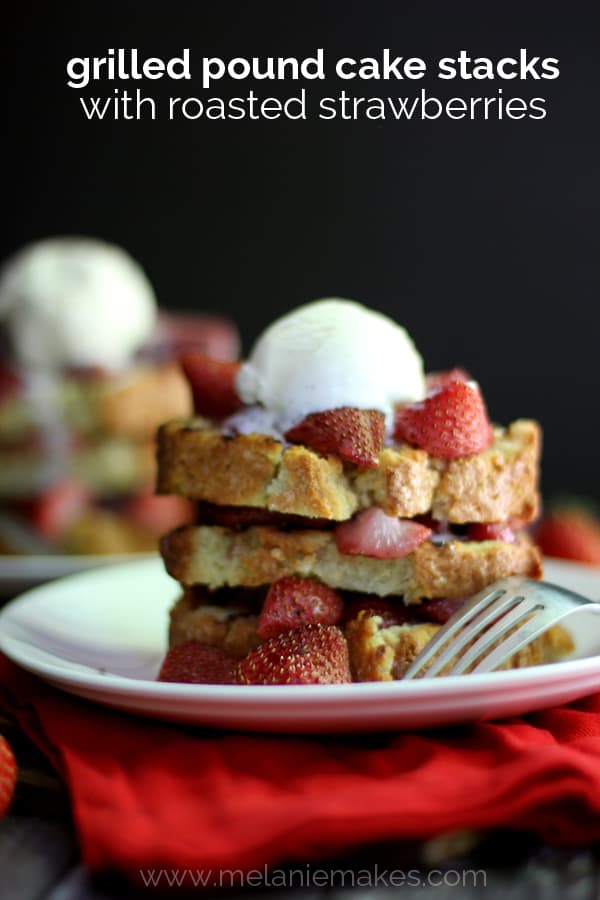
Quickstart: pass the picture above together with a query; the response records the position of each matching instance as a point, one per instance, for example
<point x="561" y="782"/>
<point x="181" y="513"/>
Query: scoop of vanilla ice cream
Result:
<point x="75" y="301"/>
<point x="328" y="354"/>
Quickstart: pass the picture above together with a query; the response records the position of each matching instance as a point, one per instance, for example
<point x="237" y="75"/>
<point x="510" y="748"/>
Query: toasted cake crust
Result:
<point x="384" y="654"/>
<point x="495" y="485"/>
<point x="217" y="557"/>
<point x="199" y="462"/>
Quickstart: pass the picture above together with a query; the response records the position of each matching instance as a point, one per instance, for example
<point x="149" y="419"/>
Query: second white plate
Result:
<point x="19" y="572"/>
<point x="102" y="635"/>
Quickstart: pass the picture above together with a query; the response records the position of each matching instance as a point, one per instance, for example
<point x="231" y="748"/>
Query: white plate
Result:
<point x="102" y="635"/>
<point x="20" y="572"/>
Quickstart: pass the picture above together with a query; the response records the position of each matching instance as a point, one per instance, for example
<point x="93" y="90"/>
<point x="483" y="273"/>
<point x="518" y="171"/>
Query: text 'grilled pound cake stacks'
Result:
<point x="346" y="504"/>
<point x="87" y="374"/>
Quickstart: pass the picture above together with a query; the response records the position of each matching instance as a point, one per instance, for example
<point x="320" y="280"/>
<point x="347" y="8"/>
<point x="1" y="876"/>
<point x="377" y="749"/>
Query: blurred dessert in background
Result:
<point x="88" y="371"/>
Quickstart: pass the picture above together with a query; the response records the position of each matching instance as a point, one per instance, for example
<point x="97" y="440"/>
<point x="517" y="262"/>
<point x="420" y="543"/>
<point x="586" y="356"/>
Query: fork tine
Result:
<point x="523" y="609"/>
<point x="492" y="600"/>
<point x="528" y="631"/>
<point x="461" y="640"/>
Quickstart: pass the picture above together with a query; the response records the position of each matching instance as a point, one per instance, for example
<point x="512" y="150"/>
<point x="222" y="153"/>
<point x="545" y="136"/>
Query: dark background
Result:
<point x="481" y="238"/>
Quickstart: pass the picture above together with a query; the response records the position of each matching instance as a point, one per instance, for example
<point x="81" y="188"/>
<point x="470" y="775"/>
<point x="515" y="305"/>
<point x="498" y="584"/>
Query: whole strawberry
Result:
<point x="193" y="662"/>
<point x="450" y="423"/>
<point x="213" y="385"/>
<point x="293" y="602"/>
<point x="570" y="532"/>
<point x="355" y="435"/>
<point x="8" y="775"/>
<point x="436" y="380"/>
<point x="313" y="654"/>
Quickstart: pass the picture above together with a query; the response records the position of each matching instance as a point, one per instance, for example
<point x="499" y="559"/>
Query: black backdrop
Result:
<point x="481" y="237"/>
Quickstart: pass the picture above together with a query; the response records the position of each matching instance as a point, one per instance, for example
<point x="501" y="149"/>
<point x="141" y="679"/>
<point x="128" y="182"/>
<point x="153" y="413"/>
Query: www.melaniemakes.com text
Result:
<point x="130" y="102"/>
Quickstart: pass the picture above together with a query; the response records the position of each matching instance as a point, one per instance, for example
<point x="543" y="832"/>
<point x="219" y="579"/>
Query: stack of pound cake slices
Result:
<point x="400" y="535"/>
<point x="88" y="371"/>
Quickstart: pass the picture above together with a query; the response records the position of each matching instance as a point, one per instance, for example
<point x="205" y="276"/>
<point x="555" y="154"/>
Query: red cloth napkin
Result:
<point x="150" y="794"/>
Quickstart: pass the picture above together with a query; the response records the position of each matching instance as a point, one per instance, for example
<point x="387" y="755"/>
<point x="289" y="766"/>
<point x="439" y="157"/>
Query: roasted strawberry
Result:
<point x="449" y="424"/>
<point x="438" y="610"/>
<point x="213" y="385"/>
<point x="570" y="532"/>
<point x="495" y="531"/>
<point x="196" y="663"/>
<point x="313" y="654"/>
<point x="57" y="508"/>
<point x="293" y="602"/>
<point x="491" y="531"/>
<point x="8" y="775"/>
<point x="355" y="435"/>
<point x="392" y="612"/>
<point x="434" y="381"/>
<point x="158" y="514"/>
<point x="373" y="533"/>
<point x="244" y="516"/>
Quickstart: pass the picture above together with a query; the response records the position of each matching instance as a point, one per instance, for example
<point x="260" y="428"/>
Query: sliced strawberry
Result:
<point x="393" y="612"/>
<point x="293" y="602"/>
<point x="57" y="508"/>
<point x="213" y="385"/>
<point x="196" y="663"/>
<point x="158" y="514"/>
<point x="8" y="775"/>
<point x="434" y="381"/>
<point x="491" y="531"/>
<point x="313" y="654"/>
<point x="373" y="533"/>
<point x="355" y="435"/>
<point x="570" y="532"/>
<point x="449" y="424"/>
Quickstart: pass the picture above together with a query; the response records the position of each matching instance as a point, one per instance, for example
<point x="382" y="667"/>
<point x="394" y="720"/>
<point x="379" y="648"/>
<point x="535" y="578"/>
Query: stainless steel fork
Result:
<point x="494" y="624"/>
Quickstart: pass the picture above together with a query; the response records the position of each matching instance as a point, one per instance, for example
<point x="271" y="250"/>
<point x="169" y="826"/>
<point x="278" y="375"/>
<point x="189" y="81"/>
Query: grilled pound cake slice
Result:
<point x="216" y="557"/>
<point x="199" y="461"/>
